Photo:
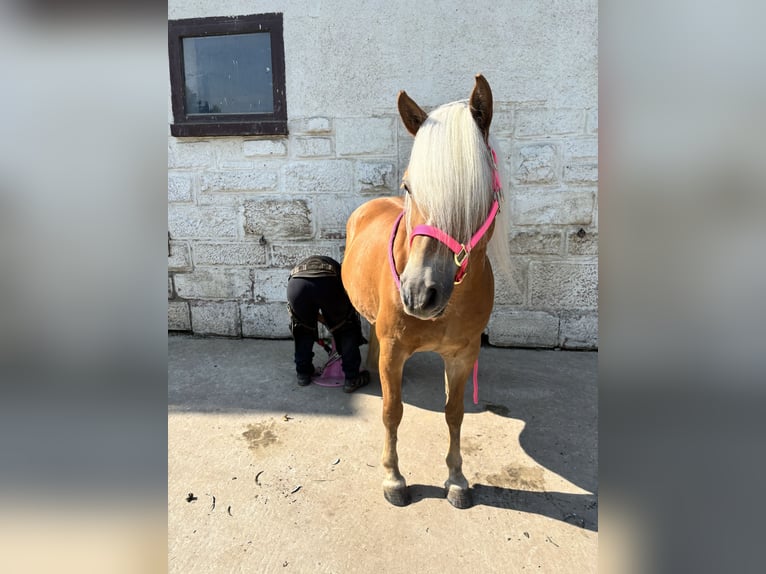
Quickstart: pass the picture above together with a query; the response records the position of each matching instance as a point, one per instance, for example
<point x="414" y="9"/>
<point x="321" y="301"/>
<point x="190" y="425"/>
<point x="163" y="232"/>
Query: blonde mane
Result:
<point x="450" y="178"/>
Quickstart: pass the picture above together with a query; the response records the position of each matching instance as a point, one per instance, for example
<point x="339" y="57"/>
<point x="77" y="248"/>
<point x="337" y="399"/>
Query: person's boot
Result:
<point x="357" y="382"/>
<point x="304" y="379"/>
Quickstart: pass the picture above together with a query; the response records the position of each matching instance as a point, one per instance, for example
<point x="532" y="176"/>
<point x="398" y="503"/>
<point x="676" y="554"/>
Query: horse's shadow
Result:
<point x="555" y="395"/>
<point x="576" y="509"/>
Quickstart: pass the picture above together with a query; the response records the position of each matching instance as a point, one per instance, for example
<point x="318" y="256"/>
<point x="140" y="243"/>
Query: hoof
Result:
<point x="459" y="497"/>
<point x="398" y="496"/>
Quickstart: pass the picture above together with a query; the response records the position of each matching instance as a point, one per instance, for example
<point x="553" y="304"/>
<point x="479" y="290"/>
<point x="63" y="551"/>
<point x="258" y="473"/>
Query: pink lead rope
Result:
<point x="460" y="250"/>
<point x="476" y="382"/>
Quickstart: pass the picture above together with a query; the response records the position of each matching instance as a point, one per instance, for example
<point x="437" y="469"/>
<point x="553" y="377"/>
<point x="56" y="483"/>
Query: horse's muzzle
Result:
<point x="424" y="301"/>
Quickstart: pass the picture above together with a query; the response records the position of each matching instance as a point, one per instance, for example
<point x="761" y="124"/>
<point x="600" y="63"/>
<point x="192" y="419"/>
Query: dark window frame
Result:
<point x="201" y="125"/>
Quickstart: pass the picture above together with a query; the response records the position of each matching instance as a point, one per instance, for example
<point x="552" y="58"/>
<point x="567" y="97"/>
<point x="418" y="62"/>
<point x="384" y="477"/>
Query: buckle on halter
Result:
<point x="461" y="256"/>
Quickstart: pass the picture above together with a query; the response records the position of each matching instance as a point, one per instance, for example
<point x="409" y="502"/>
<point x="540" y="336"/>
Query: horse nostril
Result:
<point x="430" y="298"/>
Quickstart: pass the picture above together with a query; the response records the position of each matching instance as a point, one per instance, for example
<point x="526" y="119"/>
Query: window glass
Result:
<point x="228" y="74"/>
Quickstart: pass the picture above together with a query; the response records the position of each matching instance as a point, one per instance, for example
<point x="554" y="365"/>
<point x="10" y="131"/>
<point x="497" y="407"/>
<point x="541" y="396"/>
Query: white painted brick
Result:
<point x="502" y="121"/>
<point x="227" y="150"/>
<point x="403" y="155"/>
<point x="536" y="164"/>
<point x="580" y="148"/>
<point x="563" y="285"/>
<point x="592" y="121"/>
<point x="215" y="283"/>
<point x="237" y="165"/>
<point x="536" y="242"/>
<point x="268" y="148"/>
<point x="504" y="146"/>
<point x="319" y="176"/>
<point x="364" y="136"/>
<point x="179" y="318"/>
<point x="582" y="242"/>
<point x="179" y="258"/>
<point x="581" y="173"/>
<point x="189" y="154"/>
<point x="544" y="121"/>
<point x="595" y="215"/>
<point x="246" y="253"/>
<point x="258" y="179"/>
<point x="316" y="125"/>
<point x="270" y="284"/>
<point x="290" y="254"/>
<point x="534" y="207"/>
<point x="531" y="122"/>
<point x="180" y="187"/>
<point x="278" y="219"/>
<point x="170" y="287"/>
<point x="521" y="328"/>
<point x="265" y="320"/>
<point x="215" y="318"/>
<point x="312" y="147"/>
<point x="332" y="213"/>
<point x="376" y="177"/>
<point x="578" y="330"/>
<point x="565" y="121"/>
<point x="213" y="222"/>
<point x="510" y="289"/>
<point x="229" y="199"/>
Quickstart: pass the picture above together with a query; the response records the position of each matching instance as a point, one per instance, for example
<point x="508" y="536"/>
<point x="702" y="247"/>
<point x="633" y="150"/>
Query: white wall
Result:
<point x="345" y="62"/>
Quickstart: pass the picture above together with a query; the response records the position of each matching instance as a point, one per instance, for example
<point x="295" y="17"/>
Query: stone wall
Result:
<point x="243" y="210"/>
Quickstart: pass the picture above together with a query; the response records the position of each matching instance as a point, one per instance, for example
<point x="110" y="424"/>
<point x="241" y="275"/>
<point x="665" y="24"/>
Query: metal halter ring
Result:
<point x="461" y="256"/>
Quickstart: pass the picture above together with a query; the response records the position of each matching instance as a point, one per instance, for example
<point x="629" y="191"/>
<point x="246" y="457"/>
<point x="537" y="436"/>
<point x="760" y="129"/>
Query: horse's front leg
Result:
<point x="390" y="367"/>
<point x="456" y="372"/>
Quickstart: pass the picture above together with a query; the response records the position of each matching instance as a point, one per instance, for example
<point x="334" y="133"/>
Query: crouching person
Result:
<point x="315" y="292"/>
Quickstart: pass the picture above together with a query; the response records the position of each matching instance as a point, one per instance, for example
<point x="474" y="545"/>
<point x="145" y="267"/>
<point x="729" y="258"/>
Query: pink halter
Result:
<point x="460" y="250"/>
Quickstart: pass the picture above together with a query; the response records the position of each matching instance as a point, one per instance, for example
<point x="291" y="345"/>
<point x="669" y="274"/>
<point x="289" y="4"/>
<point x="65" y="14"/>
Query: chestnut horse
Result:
<point x="417" y="269"/>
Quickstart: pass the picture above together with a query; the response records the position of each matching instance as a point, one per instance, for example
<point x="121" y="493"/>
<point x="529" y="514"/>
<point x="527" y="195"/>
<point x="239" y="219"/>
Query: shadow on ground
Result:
<point x="554" y="393"/>
<point x="576" y="509"/>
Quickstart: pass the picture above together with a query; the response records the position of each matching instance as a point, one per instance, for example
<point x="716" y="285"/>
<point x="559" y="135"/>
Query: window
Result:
<point x="227" y="76"/>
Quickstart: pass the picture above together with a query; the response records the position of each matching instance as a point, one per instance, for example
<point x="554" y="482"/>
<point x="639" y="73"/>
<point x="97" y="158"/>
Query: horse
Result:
<point x="436" y="293"/>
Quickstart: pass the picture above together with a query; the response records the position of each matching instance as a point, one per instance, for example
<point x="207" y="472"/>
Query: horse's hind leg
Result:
<point x="390" y="365"/>
<point x="373" y="350"/>
<point x="456" y="372"/>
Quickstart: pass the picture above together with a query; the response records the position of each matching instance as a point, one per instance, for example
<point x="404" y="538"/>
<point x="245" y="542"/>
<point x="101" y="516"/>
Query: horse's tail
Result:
<point x="498" y="248"/>
<point x="373" y="350"/>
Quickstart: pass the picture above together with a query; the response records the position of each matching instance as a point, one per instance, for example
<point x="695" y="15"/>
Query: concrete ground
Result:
<point x="288" y="479"/>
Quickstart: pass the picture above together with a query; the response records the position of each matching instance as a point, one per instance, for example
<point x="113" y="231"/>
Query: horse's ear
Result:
<point x="412" y="115"/>
<point x="481" y="104"/>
